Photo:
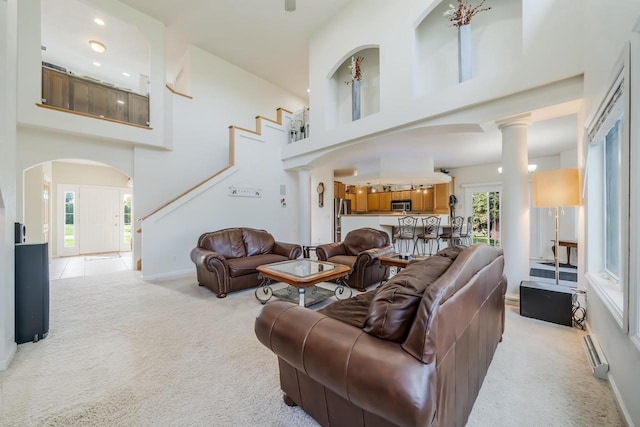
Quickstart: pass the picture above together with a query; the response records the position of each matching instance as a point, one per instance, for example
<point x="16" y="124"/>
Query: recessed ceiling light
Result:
<point x="97" y="46"/>
<point x="98" y="21"/>
<point x="126" y="74"/>
<point x="97" y="64"/>
<point x="308" y="90"/>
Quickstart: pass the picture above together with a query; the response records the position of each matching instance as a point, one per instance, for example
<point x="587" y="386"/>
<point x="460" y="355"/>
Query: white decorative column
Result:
<point x="514" y="223"/>
<point x="304" y="192"/>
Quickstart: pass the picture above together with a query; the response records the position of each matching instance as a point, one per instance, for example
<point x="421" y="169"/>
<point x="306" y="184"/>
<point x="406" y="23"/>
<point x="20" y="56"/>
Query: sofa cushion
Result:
<point x="395" y="303"/>
<point x="257" y="242"/>
<point x="364" y="239"/>
<point x="227" y="242"/>
<point x="352" y="311"/>
<point x="247" y="265"/>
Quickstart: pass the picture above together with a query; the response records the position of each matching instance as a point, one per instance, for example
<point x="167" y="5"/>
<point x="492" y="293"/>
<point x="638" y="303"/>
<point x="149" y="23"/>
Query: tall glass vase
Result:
<point x="464" y="52"/>
<point x="355" y="100"/>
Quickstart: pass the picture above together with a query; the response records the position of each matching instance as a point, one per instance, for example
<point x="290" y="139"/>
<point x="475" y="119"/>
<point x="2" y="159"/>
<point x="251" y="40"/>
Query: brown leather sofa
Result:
<point x="359" y="250"/>
<point x="226" y="260"/>
<point x="413" y="352"/>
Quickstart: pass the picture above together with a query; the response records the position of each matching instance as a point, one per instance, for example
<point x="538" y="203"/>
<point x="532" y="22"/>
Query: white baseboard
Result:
<point x="4" y="364"/>
<point x="512" y="299"/>
<point x="619" y="402"/>
<point x="170" y="275"/>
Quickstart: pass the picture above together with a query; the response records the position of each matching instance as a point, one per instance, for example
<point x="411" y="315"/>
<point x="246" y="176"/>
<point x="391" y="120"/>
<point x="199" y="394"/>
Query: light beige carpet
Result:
<point x="123" y="352"/>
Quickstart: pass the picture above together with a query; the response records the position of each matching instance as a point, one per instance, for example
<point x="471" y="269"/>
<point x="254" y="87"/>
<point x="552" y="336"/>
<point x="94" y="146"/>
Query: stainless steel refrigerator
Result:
<point x="340" y="207"/>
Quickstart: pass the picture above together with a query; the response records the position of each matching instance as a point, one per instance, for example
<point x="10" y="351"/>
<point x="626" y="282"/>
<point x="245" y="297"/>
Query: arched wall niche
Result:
<point x="340" y="92"/>
<point x="496" y="37"/>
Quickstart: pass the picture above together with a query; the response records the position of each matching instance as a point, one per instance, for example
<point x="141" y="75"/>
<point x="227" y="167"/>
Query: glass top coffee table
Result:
<point x="302" y="274"/>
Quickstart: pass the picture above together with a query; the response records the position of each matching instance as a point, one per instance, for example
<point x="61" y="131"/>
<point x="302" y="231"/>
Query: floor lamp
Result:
<point x="555" y="189"/>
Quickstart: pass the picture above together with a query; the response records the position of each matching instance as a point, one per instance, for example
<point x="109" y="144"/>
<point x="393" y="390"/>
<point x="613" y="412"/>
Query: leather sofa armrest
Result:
<point x="342" y="358"/>
<point x="328" y="250"/>
<point x="290" y="250"/>
<point x="370" y="255"/>
<point x="211" y="260"/>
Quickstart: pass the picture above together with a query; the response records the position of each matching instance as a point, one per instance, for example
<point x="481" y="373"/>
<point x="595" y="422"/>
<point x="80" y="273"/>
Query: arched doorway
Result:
<point x="83" y="209"/>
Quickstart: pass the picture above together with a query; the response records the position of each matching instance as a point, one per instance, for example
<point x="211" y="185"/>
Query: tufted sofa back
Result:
<point x="237" y="242"/>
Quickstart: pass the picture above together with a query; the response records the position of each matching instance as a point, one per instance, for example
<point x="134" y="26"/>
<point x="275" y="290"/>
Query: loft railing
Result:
<point x="64" y="91"/>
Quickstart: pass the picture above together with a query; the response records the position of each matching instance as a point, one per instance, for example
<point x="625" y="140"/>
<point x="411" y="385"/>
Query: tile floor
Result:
<point x="89" y="265"/>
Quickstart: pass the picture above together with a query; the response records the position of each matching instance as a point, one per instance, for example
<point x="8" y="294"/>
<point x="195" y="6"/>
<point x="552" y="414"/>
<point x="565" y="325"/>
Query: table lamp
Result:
<point x="555" y="189"/>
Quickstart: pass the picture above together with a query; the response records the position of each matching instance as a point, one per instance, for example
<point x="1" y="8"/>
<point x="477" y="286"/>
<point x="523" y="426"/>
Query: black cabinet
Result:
<point x="551" y="303"/>
<point x="31" y="292"/>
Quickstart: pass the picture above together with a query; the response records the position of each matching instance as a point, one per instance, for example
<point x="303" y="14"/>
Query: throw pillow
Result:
<point x="394" y="305"/>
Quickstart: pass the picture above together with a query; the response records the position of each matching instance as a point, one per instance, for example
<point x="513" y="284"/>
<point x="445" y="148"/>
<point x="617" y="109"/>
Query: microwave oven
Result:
<point x="401" y="205"/>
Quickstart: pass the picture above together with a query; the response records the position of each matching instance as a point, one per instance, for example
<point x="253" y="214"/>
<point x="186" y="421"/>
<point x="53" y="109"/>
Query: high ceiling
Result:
<point x="264" y="39"/>
<point x="256" y="35"/>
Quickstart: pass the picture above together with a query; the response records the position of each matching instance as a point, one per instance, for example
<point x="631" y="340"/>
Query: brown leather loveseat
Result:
<point x="226" y="260"/>
<point x="359" y="250"/>
<point x="413" y="352"/>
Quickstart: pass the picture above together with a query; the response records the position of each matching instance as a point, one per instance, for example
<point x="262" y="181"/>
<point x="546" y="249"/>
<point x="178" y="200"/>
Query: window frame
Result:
<point x="613" y="293"/>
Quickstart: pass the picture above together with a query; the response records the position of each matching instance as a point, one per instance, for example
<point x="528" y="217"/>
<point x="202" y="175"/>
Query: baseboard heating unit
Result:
<point x="599" y="365"/>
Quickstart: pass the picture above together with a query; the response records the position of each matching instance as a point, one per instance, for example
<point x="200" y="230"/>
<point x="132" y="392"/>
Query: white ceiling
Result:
<point x="256" y="35"/>
<point x="262" y="38"/>
<point x="67" y="27"/>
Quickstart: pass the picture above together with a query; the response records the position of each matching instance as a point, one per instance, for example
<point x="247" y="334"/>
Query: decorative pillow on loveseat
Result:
<point x="395" y="303"/>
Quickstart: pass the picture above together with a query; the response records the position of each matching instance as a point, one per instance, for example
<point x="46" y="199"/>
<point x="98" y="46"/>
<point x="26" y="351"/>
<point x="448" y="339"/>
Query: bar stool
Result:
<point x="453" y="233"/>
<point x="467" y="235"/>
<point x="406" y="233"/>
<point x="430" y="231"/>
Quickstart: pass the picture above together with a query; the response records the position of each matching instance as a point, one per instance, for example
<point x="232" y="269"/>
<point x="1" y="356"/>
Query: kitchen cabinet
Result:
<point x="339" y="190"/>
<point x="405" y="195"/>
<point x="373" y="202"/>
<point x="354" y="202"/>
<point x="441" y="198"/>
<point x="428" y="202"/>
<point x="417" y="203"/>
<point x="361" y="200"/>
<point x="385" y="201"/>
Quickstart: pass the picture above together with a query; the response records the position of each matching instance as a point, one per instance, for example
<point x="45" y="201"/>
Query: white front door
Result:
<point x="99" y="220"/>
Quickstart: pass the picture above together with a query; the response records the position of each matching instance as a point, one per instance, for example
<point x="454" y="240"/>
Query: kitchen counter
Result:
<point x="384" y="222"/>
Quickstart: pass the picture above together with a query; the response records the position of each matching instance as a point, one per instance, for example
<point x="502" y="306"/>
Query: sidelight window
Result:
<point x="69" y="219"/>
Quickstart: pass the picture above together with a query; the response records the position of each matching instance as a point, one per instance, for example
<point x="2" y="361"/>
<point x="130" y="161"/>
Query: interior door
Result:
<point x="99" y="210"/>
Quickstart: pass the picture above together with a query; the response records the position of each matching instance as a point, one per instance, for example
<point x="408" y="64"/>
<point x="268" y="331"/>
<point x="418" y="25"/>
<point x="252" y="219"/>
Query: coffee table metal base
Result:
<point x="305" y="297"/>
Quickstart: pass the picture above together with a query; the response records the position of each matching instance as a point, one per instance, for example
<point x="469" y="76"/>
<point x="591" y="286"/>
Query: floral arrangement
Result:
<point x="356" y="70"/>
<point x="461" y="13"/>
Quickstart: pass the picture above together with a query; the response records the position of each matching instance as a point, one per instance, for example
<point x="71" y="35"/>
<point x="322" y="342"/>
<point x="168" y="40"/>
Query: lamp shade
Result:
<point x="555" y="188"/>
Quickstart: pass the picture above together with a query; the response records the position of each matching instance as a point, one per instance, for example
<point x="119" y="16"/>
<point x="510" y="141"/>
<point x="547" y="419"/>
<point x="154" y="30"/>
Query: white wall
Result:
<point x="607" y="29"/>
<point x="33" y="203"/>
<point x="322" y="217"/>
<point x="496" y="43"/>
<point x="169" y="235"/>
<point x="223" y="95"/>
<point x="403" y="97"/>
<point x="8" y="78"/>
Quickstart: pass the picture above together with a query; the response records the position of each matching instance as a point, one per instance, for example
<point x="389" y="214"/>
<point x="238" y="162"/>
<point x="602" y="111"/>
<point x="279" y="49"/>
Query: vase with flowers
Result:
<point x="460" y="14"/>
<point x="356" y="77"/>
